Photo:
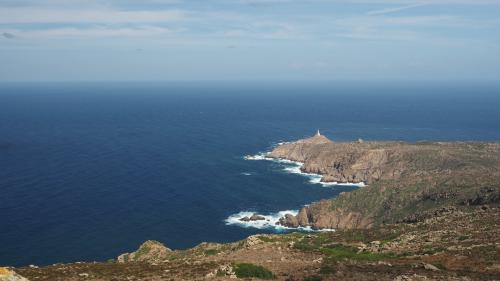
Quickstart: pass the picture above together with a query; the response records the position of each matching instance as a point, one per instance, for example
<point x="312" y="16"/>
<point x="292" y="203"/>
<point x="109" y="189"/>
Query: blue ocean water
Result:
<point x="91" y="170"/>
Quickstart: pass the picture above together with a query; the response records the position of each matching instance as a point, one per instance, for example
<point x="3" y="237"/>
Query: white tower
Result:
<point x="318" y="133"/>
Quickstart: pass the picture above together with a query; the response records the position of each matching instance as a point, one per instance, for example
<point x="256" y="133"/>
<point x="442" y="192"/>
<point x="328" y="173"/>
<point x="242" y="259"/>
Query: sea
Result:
<point x="90" y="170"/>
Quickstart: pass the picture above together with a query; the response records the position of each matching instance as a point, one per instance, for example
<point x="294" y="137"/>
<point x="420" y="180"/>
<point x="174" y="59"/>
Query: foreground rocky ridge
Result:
<point x="405" y="180"/>
<point x="454" y="244"/>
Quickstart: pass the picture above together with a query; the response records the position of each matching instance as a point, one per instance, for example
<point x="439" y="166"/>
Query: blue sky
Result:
<point x="249" y="39"/>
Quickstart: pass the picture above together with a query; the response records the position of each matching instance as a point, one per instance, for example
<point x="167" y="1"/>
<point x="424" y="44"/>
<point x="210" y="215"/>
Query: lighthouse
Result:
<point x="318" y="133"/>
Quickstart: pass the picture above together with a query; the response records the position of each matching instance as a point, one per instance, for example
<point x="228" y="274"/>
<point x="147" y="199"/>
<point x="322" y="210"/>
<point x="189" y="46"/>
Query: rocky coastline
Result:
<point x="402" y="178"/>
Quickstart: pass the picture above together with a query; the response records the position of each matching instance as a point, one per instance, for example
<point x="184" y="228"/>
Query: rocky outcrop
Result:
<point x="352" y="162"/>
<point x="289" y="220"/>
<point x="254" y="217"/>
<point x="321" y="216"/>
<point x="404" y="179"/>
<point x="150" y="251"/>
<point x="7" y="274"/>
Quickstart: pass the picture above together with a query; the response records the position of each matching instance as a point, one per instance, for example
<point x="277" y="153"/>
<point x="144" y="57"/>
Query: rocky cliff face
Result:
<point x="403" y="178"/>
<point x="321" y="216"/>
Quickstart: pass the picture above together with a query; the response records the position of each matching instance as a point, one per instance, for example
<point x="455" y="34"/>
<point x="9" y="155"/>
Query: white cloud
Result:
<point x="19" y="15"/>
<point x="394" y="10"/>
<point x="96" y="31"/>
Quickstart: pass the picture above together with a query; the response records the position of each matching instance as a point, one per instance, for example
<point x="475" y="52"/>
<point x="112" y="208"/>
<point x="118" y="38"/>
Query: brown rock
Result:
<point x="289" y="221"/>
<point x="256" y="217"/>
<point x="303" y="217"/>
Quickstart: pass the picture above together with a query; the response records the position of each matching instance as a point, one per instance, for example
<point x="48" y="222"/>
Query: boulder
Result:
<point x="289" y="221"/>
<point x="429" y="266"/>
<point x="254" y="217"/>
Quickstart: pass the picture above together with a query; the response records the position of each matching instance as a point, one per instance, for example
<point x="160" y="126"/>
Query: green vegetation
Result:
<point x="248" y="270"/>
<point x="340" y="252"/>
<point x="430" y="250"/>
<point x="313" y="242"/>
<point x="294" y="236"/>
<point x="313" y="278"/>
<point x="327" y="244"/>
<point x="337" y="253"/>
<point x="143" y="250"/>
<point x="266" y="239"/>
<point x="211" y="252"/>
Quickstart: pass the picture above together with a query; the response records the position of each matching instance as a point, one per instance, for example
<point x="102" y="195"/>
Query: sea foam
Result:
<point x="294" y="167"/>
<point x="268" y="223"/>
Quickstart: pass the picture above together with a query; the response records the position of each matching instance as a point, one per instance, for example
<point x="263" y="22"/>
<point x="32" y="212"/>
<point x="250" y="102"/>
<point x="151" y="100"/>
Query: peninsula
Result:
<point x="406" y="182"/>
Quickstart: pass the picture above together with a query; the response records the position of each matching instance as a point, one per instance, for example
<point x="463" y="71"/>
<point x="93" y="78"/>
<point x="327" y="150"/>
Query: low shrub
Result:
<point x="211" y="252"/>
<point x="248" y="270"/>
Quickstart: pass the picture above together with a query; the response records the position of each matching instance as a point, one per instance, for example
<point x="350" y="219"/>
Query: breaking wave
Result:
<point x="294" y="167"/>
<point x="269" y="221"/>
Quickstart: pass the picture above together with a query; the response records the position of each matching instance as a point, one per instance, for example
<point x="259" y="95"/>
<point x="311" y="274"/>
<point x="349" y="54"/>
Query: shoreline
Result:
<point x="297" y="169"/>
<point x="272" y="220"/>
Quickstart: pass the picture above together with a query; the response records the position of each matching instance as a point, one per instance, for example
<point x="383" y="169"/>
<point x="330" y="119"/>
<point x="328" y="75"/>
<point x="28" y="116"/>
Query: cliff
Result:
<point x="405" y="180"/>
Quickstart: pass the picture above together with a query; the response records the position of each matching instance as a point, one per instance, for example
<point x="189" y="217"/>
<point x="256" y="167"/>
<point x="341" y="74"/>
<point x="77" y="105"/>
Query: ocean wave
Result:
<point x="258" y="156"/>
<point x="294" y="167"/>
<point x="268" y="223"/>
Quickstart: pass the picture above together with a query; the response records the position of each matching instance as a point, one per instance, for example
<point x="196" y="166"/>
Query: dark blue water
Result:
<point x="89" y="171"/>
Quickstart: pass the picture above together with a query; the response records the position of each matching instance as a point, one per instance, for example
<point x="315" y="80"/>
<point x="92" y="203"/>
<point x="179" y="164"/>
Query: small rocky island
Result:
<point x="428" y="211"/>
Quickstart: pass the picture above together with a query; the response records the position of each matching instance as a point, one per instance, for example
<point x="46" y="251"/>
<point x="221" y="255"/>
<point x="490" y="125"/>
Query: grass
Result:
<point x="313" y="278"/>
<point x="433" y="250"/>
<point x="340" y="252"/>
<point x="313" y="242"/>
<point x="337" y="253"/>
<point x="211" y="252"/>
<point x="248" y="270"/>
<point x="266" y="239"/>
<point x="289" y="237"/>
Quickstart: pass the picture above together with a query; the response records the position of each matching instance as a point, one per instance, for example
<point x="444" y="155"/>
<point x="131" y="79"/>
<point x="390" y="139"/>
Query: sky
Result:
<point x="129" y="40"/>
